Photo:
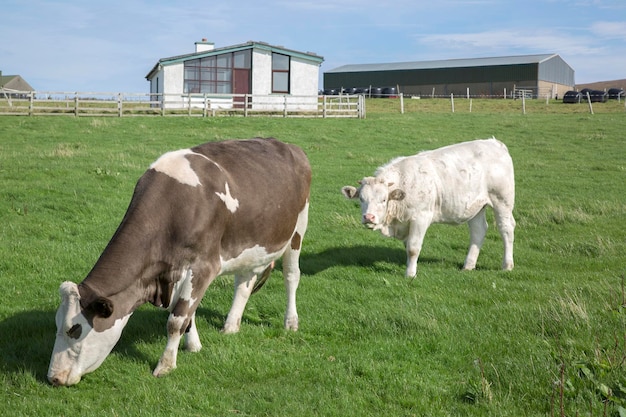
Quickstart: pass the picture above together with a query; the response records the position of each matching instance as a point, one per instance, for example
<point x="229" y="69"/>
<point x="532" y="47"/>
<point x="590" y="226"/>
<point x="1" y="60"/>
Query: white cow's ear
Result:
<point x="350" y="192"/>
<point x="397" y="194"/>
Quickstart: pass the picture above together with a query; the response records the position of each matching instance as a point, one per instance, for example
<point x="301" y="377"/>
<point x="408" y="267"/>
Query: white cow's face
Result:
<point x="374" y="195"/>
<point x="78" y="348"/>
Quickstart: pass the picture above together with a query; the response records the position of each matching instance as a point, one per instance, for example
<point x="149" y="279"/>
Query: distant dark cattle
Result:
<point x="453" y="185"/>
<point x="230" y="207"/>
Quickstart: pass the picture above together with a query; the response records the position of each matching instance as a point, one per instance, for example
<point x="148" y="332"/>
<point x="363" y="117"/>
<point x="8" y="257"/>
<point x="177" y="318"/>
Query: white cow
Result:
<point x="452" y="185"/>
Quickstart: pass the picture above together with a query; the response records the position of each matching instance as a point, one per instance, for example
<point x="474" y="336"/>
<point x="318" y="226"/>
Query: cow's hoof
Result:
<point x="508" y="266"/>
<point x="192" y="343"/>
<point x="161" y="371"/>
<point x="291" y="324"/>
<point x="230" y="329"/>
<point x="164" y="367"/>
<point x="193" y="346"/>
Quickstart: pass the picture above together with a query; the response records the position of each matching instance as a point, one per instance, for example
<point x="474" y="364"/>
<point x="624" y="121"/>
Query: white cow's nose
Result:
<point x="62" y="379"/>
<point x="368" y="218"/>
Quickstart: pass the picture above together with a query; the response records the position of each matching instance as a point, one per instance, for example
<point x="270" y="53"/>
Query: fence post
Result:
<point x="119" y="104"/>
<point x="401" y="103"/>
<point x="31" y="103"/>
<point x="324" y="100"/>
<point x="285" y="105"/>
<point x="468" y="93"/>
<point x="363" y="109"/>
<point x="361" y="106"/>
<point x="75" y="104"/>
<point x="452" y="101"/>
<point x="589" y="101"/>
<point x="524" y="103"/>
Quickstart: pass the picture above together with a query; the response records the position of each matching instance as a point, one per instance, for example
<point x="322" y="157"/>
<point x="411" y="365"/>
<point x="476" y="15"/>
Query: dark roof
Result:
<point x="248" y="45"/>
<point x="446" y="63"/>
<point x="14" y="82"/>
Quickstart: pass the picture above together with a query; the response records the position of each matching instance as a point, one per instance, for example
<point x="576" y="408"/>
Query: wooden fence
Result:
<point x="43" y="103"/>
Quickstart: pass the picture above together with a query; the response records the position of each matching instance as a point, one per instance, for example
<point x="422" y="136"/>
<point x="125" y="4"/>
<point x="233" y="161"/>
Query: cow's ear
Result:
<point x="397" y="194"/>
<point x="350" y="192"/>
<point x="101" y="307"/>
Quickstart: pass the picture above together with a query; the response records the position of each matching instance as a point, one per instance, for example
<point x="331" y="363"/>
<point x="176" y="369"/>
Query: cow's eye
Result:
<point x="75" y="331"/>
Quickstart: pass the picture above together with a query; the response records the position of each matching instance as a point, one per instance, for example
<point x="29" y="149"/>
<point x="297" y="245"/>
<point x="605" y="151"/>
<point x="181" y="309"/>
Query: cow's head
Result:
<point x="374" y="195"/>
<point x="79" y="348"/>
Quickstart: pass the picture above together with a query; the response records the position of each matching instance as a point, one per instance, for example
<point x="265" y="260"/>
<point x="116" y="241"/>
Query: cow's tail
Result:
<point x="264" y="277"/>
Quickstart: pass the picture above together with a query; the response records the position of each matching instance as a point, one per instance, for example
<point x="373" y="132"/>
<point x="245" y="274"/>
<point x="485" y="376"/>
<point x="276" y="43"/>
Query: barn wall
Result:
<point x="460" y="89"/>
<point x="553" y="90"/>
<point x="436" y="76"/>
<point x="557" y="71"/>
<point x="552" y="75"/>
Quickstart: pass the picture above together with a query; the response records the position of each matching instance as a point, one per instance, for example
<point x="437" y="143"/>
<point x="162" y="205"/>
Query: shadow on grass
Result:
<point x="27" y="338"/>
<point x="361" y="256"/>
<point x="26" y="343"/>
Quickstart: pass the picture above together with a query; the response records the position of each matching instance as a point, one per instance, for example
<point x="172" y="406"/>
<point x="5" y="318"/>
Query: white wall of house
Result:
<point x="174" y="77"/>
<point x="304" y="77"/>
<point x="261" y="72"/>
<point x="169" y="80"/>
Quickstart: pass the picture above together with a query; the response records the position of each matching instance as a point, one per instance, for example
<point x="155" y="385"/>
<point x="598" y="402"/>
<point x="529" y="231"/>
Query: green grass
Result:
<point x="549" y="334"/>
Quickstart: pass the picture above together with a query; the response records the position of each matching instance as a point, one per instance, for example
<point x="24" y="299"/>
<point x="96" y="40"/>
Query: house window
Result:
<point x="280" y="73"/>
<point x="212" y="74"/>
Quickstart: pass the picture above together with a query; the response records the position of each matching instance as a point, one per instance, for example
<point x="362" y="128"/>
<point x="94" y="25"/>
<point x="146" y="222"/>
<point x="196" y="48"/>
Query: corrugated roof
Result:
<point x="446" y="63"/>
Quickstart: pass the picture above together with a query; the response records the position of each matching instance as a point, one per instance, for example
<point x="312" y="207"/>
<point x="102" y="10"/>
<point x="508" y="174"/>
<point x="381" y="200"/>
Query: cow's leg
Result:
<point x="478" y="230"/>
<point x="413" y="244"/>
<point x="182" y="319"/>
<point x="291" y="271"/>
<point x="192" y="339"/>
<point x="506" y="226"/>
<point x="176" y="325"/>
<point x="244" y="283"/>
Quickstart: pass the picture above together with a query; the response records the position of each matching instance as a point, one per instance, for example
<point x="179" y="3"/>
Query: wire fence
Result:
<point x="463" y="104"/>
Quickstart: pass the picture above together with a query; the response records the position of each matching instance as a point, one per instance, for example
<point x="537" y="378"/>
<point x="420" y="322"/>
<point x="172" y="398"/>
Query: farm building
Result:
<point x="14" y="86"/>
<point x="533" y="75"/>
<point x="225" y="75"/>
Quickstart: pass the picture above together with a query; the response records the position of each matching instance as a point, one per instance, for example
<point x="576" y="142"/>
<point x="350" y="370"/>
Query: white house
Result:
<point x="224" y="77"/>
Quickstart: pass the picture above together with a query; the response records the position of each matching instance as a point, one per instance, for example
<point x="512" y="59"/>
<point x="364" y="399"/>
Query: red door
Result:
<point x="241" y="85"/>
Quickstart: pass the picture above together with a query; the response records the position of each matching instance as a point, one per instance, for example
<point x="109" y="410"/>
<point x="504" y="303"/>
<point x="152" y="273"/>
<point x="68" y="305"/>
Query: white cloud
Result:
<point x="609" y="30"/>
<point x="513" y="41"/>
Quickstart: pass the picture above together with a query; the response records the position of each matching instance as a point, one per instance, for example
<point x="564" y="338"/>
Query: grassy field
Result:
<point x="546" y="339"/>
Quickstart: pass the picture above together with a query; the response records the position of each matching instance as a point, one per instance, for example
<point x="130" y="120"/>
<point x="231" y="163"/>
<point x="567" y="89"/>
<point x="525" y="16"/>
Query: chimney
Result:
<point x="204" y="46"/>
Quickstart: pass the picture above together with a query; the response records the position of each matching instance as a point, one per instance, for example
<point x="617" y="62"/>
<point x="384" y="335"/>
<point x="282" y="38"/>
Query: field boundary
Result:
<point x="114" y="104"/>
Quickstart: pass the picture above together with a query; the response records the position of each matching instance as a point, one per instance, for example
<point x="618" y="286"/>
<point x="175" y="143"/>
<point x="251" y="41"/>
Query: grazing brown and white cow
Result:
<point x="453" y="185"/>
<point x="230" y="207"/>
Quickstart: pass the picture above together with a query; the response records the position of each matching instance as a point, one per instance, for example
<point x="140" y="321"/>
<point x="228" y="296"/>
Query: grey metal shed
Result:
<point x="537" y="75"/>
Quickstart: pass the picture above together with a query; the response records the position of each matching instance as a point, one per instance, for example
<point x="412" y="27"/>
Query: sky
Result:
<point x="110" y="46"/>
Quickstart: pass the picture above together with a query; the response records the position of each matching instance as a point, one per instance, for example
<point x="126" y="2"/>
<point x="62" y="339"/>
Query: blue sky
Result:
<point x="110" y="46"/>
